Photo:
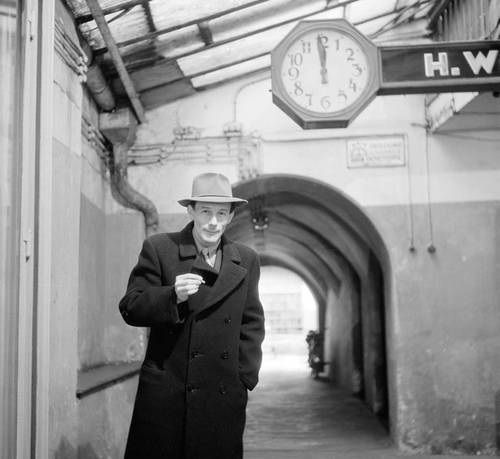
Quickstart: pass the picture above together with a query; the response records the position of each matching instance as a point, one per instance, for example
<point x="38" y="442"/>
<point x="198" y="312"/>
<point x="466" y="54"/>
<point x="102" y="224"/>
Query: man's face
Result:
<point x="210" y="220"/>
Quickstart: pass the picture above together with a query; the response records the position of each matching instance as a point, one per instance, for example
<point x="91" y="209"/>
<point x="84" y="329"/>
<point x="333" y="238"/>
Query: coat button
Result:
<point x="194" y="354"/>
<point x="224" y="355"/>
<point x="227" y="320"/>
<point x="222" y="389"/>
<point x="191" y="387"/>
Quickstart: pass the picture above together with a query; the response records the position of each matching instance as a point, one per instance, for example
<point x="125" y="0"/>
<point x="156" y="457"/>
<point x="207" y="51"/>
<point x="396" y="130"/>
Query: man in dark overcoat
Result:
<point x="198" y="293"/>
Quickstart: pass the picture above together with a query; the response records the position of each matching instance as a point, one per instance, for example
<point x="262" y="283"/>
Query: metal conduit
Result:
<point x="121" y="136"/>
<point x="128" y="196"/>
<point x="100" y="89"/>
<point x="96" y="83"/>
<point x="119" y="128"/>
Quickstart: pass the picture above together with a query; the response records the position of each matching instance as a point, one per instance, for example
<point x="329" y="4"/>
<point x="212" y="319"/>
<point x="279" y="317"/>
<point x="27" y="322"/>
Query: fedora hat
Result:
<point x="212" y="187"/>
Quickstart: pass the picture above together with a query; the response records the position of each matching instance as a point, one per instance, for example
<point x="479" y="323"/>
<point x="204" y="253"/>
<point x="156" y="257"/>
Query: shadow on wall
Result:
<point x="66" y="450"/>
<point x="497" y="421"/>
<point x="87" y="452"/>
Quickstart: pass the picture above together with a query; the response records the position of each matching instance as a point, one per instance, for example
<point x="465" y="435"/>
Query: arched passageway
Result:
<point x="291" y="311"/>
<point x="320" y="234"/>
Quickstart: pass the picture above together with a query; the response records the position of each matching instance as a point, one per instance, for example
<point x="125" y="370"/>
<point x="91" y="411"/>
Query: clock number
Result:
<point x="293" y="73"/>
<point x="306" y="46"/>
<point x="353" y="85"/>
<point x="350" y="53"/>
<point x="324" y="40"/>
<point x="298" y="89"/>
<point x="295" y="59"/>
<point x="309" y="98"/>
<point x="325" y="102"/>
<point x="337" y="43"/>
<point x="342" y="94"/>
<point x="357" y="69"/>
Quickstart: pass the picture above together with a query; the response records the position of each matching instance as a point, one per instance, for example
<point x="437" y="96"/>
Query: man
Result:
<point x="198" y="292"/>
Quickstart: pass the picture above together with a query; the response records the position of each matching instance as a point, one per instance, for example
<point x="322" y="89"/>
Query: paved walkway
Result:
<point x="292" y="416"/>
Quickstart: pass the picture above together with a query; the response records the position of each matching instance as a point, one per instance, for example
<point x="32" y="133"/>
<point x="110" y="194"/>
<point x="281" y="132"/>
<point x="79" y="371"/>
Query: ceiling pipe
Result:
<point x="120" y="129"/>
<point x="133" y="96"/>
<point x="99" y="88"/>
<point x="96" y="82"/>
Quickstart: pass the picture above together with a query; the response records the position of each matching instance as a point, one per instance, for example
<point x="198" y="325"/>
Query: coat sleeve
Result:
<point x="252" y="331"/>
<point x="147" y="302"/>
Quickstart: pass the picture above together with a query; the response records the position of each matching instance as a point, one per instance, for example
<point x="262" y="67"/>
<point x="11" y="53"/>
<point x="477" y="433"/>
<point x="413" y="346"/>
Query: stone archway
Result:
<point x="319" y="233"/>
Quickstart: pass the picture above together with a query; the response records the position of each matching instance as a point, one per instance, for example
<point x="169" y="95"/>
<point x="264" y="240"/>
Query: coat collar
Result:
<point x="187" y="246"/>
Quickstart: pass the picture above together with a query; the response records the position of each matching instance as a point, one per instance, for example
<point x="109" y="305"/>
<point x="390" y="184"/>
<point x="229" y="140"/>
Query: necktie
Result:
<point x="208" y="258"/>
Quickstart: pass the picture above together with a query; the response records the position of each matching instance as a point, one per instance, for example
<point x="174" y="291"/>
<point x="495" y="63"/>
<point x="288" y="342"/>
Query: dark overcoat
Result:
<point x="202" y="355"/>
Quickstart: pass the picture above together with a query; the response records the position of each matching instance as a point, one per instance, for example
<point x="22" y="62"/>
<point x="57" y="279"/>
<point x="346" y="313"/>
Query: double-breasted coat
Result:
<point x="203" y="355"/>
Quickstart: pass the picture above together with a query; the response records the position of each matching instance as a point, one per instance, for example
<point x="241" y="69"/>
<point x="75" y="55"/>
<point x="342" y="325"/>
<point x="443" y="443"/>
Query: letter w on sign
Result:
<point x="480" y="61"/>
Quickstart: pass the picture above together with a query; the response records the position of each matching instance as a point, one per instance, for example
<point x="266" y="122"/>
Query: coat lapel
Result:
<point x="187" y="247"/>
<point x="230" y="274"/>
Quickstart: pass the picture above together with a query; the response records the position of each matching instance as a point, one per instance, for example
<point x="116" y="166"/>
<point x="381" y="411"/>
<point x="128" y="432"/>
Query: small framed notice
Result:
<point x="380" y="151"/>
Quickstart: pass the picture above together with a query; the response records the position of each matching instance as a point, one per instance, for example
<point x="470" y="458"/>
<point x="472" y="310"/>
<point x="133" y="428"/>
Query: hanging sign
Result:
<point x="324" y="73"/>
<point x="440" y="67"/>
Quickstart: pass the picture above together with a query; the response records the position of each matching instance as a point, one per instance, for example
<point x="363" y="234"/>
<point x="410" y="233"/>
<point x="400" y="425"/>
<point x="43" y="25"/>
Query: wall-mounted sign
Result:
<point x="379" y="151"/>
<point x="440" y="67"/>
<point x="324" y="73"/>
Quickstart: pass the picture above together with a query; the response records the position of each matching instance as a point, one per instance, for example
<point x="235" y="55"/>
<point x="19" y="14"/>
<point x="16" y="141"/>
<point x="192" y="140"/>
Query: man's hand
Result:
<point x="186" y="285"/>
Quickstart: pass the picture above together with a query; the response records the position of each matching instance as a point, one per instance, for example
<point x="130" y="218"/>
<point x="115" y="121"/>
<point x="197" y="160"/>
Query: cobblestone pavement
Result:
<point x="292" y="416"/>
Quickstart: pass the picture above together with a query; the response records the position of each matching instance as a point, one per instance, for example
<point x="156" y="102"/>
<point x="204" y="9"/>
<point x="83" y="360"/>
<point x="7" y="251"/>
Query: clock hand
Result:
<point x="322" y="59"/>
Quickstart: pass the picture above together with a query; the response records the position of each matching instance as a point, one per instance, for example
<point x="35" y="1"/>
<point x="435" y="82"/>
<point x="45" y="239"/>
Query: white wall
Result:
<point x="463" y="166"/>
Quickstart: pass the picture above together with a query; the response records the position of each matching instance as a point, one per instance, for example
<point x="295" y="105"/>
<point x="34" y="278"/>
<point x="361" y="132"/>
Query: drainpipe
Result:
<point x="99" y="88"/>
<point x="120" y="129"/>
<point x="96" y="83"/>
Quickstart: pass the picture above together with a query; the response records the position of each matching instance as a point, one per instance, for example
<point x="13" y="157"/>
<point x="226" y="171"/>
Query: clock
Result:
<point x="324" y="73"/>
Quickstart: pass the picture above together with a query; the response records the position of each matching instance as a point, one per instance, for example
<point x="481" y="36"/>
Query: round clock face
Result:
<point x="324" y="71"/>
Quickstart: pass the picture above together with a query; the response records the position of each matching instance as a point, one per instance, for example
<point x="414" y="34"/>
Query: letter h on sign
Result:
<point x="441" y="65"/>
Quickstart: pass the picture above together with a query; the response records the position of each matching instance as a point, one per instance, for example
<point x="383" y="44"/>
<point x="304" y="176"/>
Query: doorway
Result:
<point x="315" y="231"/>
<point x="291" y="312"/>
